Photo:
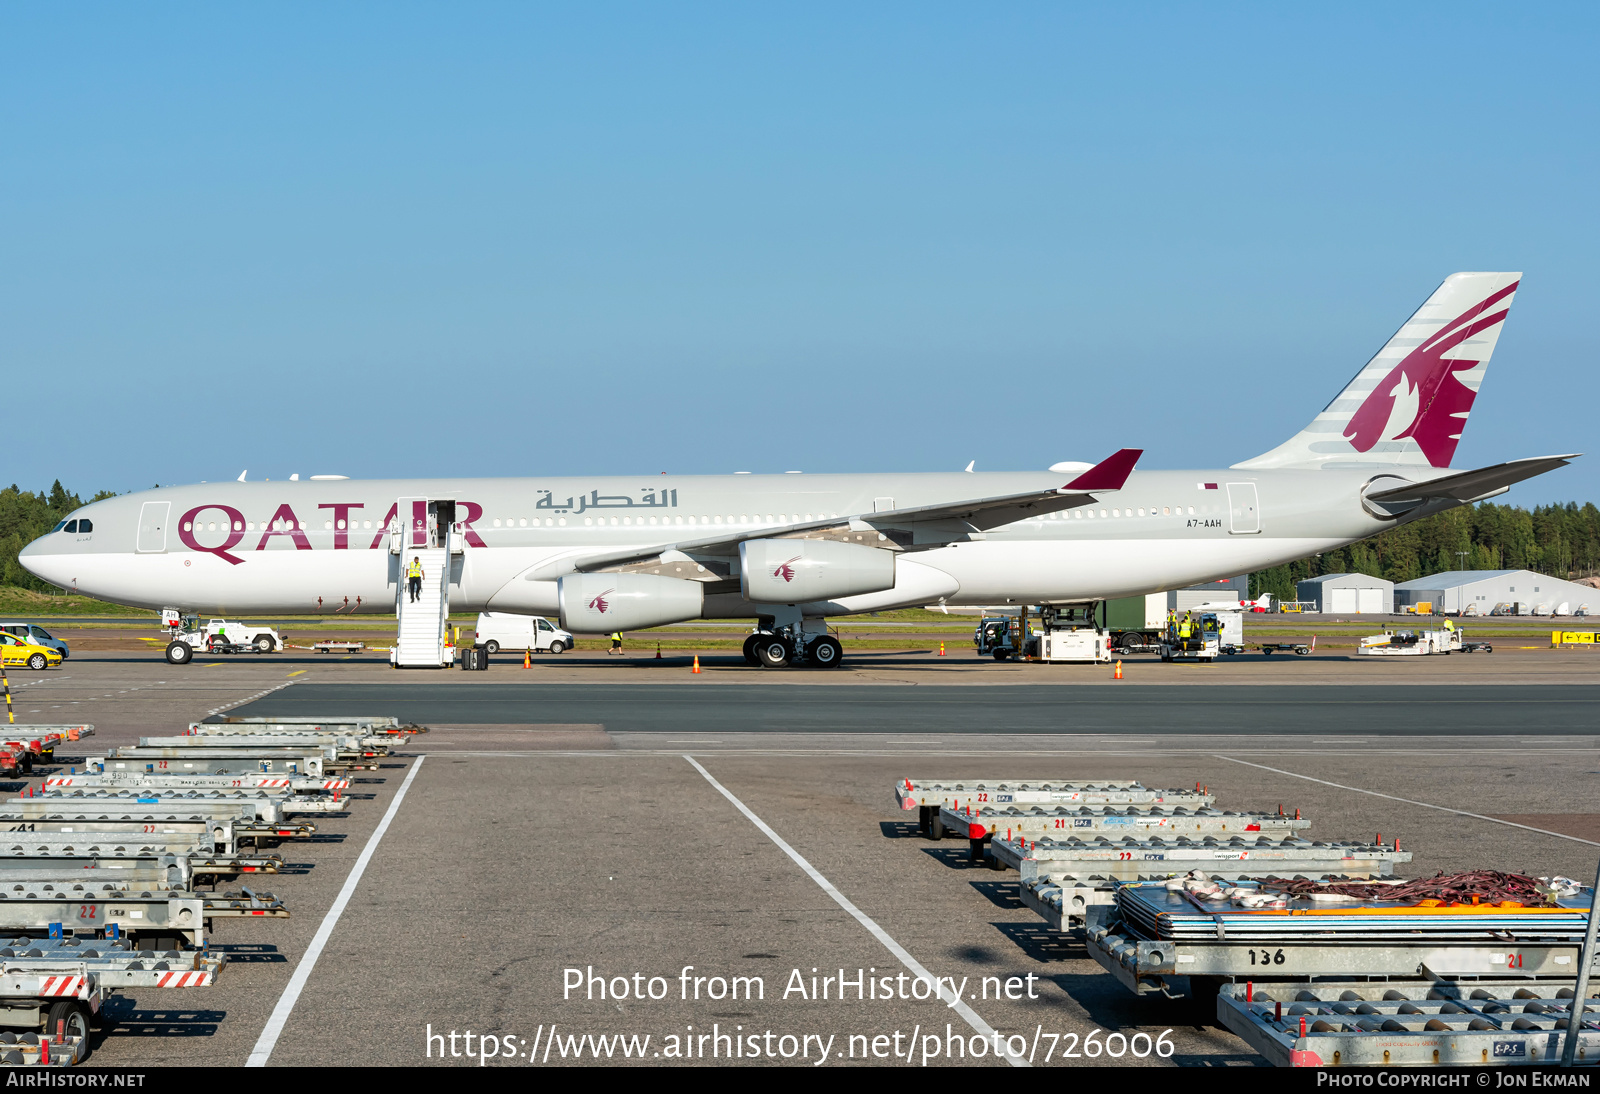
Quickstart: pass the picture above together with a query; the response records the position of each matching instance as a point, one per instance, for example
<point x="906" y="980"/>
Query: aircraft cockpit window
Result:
<point x="72" y="526"/>
<point x="85" y="526"/>
<point x="60" y="524"/>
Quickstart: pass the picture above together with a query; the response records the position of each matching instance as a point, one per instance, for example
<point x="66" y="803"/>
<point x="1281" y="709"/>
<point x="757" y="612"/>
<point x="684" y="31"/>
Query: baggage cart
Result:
<point x="929" y="795"/>
<point x="1022" y="823"/>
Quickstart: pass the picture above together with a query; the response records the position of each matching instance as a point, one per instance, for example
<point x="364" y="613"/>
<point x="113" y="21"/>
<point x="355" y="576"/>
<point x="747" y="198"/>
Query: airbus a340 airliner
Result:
<point x="790" y="550"/>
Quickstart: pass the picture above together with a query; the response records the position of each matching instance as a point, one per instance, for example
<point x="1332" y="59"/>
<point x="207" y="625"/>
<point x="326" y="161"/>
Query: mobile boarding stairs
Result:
<point x="424" y="529"/>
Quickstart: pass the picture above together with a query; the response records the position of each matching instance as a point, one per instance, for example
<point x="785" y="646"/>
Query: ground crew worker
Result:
<point x="616" y="642"/>
<point x="1449" y="625"/>
<point x="414" y="577"/>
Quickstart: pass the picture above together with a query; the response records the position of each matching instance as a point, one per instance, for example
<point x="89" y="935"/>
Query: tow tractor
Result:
<point x="1066" y="633"/>
<point x="186" y="635"/>
<point x="1420" y="643"/>
<point x="1203" y="636"/>
<point x="1001" y="636"/>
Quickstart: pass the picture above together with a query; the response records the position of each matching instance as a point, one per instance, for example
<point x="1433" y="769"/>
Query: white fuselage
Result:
<point x="321" y="545"/>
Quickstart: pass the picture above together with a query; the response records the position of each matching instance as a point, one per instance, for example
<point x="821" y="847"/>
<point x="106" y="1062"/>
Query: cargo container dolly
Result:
<point x="927" y="796"/>
<point x="1024" y="823"/>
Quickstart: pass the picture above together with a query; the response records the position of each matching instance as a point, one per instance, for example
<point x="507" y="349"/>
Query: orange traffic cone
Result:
<point x="1118" y="674"/>
<point x="941" y="649"/>
<point x="658" y="651"/>
<point x="697" y="662"/>
<point x="527" y="659"/>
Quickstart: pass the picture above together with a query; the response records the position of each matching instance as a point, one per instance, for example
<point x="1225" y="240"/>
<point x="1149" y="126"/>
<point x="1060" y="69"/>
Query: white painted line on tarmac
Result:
<point x="1412" y="801"/>
<point x="899" y="951"/>
<point x="302" y="972"/>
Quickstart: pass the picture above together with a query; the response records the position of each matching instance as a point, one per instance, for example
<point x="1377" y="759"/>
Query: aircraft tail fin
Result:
<point x="1408" y="406"/>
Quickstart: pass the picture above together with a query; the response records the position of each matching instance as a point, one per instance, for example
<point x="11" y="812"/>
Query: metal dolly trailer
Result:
<point x="929" y="795"/>
<point x="265" y="805"/>
<point x="1037" y="822"/>
<point x="1269" y="648"/>
<point x="199" y="748"/>
<point x="1131" y="858"/>
<point x="68" y="851"/>
<point x="373" y="726"/>
<point x="251" y="761"/>
<point x="1064" y="899"/>
<point x="94" y="906"/>
<point x="184" y="781"/>
<point x="1147" y="967"/>
<point x="226" y="831"/>
<point x="334" y="646"/>
<point x="1408" y="1023"/>
<point x="372" y="721"/>
<point x="329" y="745"/>
<point x="57" y="984"/>
<point x="345" y="736"/>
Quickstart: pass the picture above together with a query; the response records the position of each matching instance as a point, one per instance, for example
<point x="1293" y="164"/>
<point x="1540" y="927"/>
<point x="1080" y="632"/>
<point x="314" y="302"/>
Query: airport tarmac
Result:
<point x="569" y="819"/>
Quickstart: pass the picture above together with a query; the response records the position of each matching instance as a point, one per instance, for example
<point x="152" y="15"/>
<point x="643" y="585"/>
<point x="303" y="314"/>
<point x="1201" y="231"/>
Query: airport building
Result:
<point x="1482" y="592"/>
<point x="1347" y="594"/>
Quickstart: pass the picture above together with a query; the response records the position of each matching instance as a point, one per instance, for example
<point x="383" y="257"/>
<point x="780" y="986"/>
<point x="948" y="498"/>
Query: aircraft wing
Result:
<point x="1471" y="485"/>
<point x="977" y="514"/>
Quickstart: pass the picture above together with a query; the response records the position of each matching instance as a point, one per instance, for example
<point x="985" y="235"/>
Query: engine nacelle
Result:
<point x="792" y="571"/>
<point x="601" y="603"/>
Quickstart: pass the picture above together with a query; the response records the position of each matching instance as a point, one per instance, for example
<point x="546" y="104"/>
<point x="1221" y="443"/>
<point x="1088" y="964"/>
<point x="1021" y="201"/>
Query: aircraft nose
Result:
<point x="42" y="563"/>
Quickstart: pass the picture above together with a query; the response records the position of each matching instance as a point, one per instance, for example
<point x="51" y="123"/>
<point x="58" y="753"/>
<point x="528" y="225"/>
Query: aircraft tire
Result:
<point x="750" y="650"/>
<point x="773" y="652"/>
<point x="825" y="652"/>
<point x="179" y="653"/>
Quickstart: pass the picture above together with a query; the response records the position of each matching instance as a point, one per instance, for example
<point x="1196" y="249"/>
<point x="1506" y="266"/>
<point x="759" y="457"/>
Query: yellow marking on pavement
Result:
<point x="297" y="673"/>
<point x="213" y="664"/>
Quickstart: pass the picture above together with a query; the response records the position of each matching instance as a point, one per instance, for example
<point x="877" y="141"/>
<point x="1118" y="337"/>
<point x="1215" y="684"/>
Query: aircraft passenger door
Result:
<point x="1244" y="509"/>
<point x="412" y="516"/>
<point x="152" y="538"/>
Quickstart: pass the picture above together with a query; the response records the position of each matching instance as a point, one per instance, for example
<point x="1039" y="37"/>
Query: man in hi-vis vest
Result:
<point x="414" y="577"/>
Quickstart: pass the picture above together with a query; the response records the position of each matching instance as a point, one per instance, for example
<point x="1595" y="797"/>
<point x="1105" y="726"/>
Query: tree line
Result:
<point x="1559" y="540"/>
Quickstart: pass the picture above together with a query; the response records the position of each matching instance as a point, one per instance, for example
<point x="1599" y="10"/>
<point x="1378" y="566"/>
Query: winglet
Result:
<point x="1109" y="474"/>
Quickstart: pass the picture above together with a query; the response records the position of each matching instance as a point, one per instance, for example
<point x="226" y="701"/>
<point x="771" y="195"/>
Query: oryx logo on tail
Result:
<point x="1421" y="397"/>
<point x="786" y="570"/>
<point x="600" y="603"/>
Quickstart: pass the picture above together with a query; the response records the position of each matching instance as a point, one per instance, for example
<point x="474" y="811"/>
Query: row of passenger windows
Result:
<point x="274" y="526"/>
<point x="561" y="522"/>
<point x="614" y="522"/>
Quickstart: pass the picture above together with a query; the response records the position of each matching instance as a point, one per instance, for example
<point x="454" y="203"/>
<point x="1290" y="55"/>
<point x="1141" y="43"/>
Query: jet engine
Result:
<point x="794" y="571"/>
<point x="601" y="603"/>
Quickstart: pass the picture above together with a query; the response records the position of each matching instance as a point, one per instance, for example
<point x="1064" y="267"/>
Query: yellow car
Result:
<point x="16" y="651"/>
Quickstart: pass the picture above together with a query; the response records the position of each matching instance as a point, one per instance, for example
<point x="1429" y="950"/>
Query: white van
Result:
<point x="499" y="631"/>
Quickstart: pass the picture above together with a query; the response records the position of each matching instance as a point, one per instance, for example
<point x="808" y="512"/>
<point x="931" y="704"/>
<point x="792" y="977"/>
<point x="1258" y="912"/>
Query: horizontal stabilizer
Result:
<point x="1471" y="485"/>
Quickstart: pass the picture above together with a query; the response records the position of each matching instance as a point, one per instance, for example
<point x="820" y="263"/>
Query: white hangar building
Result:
<point x="1479" y="592"/>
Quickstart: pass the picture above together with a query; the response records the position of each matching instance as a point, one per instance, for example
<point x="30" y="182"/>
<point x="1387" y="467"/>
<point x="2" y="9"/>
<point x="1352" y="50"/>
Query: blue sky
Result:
<point x="469" y="238"/>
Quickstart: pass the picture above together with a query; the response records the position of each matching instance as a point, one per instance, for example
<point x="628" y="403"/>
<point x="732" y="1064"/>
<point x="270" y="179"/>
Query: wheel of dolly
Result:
<point x="558" y="647"/>
<point x="38" y="662"/>
<point x="179" y="653"/>
<point x="68" y="1016"/>
<point x="825" y="652"/>
<point x="264" y="643"/>
<point x="750" y="649"/>
<point x="492" y="646"/>
<point x="773" y="651"/>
